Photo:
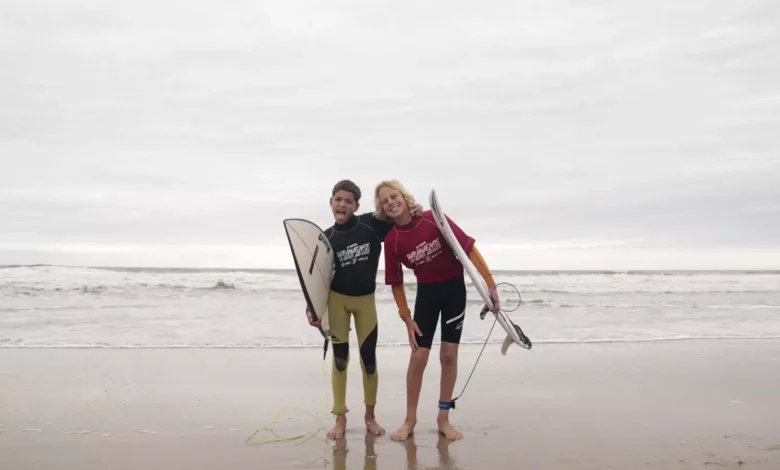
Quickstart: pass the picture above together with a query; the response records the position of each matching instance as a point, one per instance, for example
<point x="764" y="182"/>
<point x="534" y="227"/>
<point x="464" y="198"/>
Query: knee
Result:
<point x="368" y="352"/>
<point x="369" y="363"/>
<point x="448" y="358"/>
<point x="340" y="356"/>
<point x="420" y="358"/>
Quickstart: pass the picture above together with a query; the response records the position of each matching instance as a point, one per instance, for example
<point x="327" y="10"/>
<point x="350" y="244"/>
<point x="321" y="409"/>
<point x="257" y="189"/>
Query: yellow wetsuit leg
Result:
<point x="363" y="308"/>
<point x="367" y="329"/>
<point x="338" y="318"/>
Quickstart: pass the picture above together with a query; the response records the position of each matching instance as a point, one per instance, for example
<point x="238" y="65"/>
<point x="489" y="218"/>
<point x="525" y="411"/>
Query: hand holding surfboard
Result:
<point x="313" y="258"/>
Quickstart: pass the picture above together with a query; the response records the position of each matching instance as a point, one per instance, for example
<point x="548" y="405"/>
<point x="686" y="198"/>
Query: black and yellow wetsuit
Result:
<point x="357" y="245"/>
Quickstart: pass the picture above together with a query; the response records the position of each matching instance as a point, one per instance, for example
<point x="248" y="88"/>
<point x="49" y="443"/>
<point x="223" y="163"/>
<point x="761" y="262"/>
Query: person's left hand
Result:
<point x="416" y="210"/>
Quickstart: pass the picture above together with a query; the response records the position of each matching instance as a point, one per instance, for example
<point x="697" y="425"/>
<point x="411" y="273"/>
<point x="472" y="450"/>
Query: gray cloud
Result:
<point x="649" y="125"/>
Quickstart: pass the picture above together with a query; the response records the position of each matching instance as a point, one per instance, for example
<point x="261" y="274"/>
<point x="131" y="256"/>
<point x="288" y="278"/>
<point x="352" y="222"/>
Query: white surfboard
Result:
<point x="514" y="333"/>
<point x="313" y="258"/>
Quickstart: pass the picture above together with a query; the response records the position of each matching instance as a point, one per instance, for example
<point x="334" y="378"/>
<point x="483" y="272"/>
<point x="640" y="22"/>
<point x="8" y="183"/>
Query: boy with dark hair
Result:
<point x="357" y="244"/>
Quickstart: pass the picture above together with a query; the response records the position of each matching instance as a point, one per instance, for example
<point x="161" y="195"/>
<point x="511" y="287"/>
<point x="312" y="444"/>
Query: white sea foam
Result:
<point x="50" y="306"/>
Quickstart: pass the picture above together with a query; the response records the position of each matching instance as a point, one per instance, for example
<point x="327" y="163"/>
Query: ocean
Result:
<point x="53" y="306"/>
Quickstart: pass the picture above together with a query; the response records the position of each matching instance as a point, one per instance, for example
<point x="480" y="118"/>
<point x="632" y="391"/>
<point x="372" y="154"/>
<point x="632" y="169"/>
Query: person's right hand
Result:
<point x="315" y="323"/>
<point x="496" y="303"/>
<point x="411" y="329"/>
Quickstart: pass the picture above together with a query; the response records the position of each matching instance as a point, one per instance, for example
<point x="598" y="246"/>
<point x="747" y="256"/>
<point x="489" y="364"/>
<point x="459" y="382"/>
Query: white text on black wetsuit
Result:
<point x="357" y="245"/>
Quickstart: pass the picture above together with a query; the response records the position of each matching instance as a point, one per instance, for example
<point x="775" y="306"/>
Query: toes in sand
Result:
<point x="337" y="432"/>
<point x="402" y="433"/>
<point x="374" y="428"/>
<point x="449" y="432"/>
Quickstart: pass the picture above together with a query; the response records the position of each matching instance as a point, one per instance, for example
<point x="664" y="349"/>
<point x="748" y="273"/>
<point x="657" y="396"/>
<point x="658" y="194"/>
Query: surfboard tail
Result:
<point x="527" y="344"/>
<point x="509" y="340"/>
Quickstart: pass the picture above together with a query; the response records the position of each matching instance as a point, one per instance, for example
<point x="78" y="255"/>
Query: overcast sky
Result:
<point x="561" y="134"/>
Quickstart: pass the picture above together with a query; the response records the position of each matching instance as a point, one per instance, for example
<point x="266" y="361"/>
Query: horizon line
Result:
<point x="292" y="269"/>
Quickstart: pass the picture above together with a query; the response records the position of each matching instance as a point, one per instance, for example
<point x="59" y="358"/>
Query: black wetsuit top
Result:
<point x="357" y="244"/>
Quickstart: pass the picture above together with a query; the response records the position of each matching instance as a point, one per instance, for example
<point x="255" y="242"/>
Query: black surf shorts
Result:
<point x="445" y="300"/>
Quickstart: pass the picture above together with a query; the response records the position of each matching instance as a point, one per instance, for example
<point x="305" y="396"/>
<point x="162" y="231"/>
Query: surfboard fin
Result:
<point x="508" y="341"/>
<point x="484" y="312"/>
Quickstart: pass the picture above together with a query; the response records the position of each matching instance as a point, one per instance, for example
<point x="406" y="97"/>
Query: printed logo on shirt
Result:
<point x="354" y="253"/>
<point x="425" y="252"/>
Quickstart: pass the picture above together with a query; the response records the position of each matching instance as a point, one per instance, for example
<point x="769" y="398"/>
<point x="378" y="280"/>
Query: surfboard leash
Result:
<point x="318" y="417"/>
<point x="446" y="405"/>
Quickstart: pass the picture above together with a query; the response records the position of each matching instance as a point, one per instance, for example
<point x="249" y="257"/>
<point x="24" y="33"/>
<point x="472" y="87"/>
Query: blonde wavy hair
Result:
<point x="379" y="213"/>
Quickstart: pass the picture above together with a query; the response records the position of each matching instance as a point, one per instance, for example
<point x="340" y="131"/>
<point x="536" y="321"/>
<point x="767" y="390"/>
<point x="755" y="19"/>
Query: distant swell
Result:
<point x="295" y="291"/>
<point x="77" y="308"/>
<point x="164" y="270"/>
<point x="95" y="289"/>
<point x="31" y="281"/>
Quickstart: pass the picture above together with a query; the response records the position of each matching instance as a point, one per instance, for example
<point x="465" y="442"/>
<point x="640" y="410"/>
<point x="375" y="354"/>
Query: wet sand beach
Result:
<point x="659" y="405"/>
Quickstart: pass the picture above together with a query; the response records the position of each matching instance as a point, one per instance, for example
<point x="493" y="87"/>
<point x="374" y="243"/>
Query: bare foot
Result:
<point x="339" y="428"/>
<point x="446" y="430"/>
<point x="403" y="432"/>
<point x="373" y="427"/>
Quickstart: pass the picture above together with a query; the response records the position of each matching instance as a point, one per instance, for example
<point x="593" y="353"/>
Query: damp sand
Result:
<point x="660" y="405"/>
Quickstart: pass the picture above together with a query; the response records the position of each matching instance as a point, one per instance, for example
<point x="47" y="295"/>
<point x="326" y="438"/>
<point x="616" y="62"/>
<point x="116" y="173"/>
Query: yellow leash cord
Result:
<point x="317" y="417"/>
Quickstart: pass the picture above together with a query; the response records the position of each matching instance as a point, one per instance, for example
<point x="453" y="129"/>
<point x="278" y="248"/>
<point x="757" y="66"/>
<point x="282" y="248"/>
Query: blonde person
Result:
<point x="417" y="243"/>
<point x="357" y="243"/>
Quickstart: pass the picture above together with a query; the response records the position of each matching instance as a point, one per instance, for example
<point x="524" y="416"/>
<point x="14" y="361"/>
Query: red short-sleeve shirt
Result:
<point x="421" y="247"/>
